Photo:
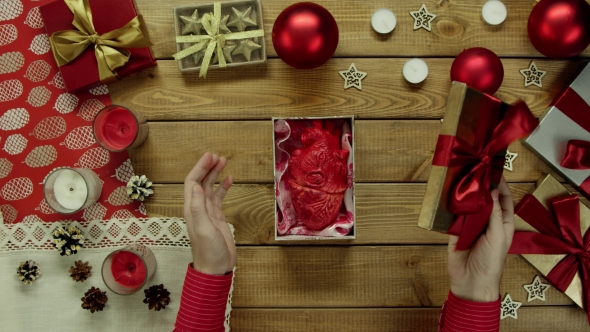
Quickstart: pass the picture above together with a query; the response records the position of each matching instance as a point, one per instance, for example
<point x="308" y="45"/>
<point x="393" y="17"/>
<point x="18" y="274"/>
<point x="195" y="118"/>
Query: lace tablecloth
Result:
<point x="53" y="302"/>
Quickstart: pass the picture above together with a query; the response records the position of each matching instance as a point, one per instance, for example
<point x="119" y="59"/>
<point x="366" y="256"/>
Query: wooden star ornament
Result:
<point x="536" y="290"/>
<point x="241" y="20"/>
<point x="192" y="24"/>
<point x="510" y="156"/>
<point x="422" y="18"/>
<point x="532" y="75"/>
<point x="509" y="308"/>
<point x="352" y="77"/>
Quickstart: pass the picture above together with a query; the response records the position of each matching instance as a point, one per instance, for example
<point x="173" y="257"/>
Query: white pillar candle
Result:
<point x="383" y="20"/>
<point x="493" y="12"/>
<point x="70" y="189"/>
<point x="415" y="71"/>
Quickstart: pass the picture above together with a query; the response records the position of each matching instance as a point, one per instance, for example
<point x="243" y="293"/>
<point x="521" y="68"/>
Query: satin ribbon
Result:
<point x="559" y="234"/>
<point x="109" y="48"/>
<point x="482" y="164"/>
<point x="577" y="155"/>
<point x="213" y="41"/>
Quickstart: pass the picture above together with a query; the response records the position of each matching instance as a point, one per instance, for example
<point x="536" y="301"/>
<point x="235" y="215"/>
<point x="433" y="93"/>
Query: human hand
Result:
<point x="213" y="247"/>
<point x="475" y="274"/>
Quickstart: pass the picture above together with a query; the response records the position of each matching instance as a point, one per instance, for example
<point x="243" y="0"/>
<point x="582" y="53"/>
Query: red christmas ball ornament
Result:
<point x="479" y="68"/>
<point x="305" y="35"/>
<point x="560" y="28"/>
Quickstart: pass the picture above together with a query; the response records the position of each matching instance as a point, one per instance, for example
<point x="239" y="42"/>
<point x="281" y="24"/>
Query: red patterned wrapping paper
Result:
<point x="107" y="15"/>
<point x="43" y="127"/>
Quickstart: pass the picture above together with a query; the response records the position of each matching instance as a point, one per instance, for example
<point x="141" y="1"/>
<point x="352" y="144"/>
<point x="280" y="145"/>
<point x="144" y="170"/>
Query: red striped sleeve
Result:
<point x="458" y="315"/>
<point x="203" y="302"/>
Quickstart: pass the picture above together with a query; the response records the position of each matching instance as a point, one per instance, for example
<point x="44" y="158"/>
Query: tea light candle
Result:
<point x="117" y="128"/>
<point x="383" y="20"/>
<point x="128" y="269"/>
<point x="493" y="12"/>
<point x="70" y="189"/>
<point x="415" y="71"/>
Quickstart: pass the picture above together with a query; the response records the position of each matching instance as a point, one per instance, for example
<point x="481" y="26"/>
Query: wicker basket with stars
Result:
<point x="235" y="17"/>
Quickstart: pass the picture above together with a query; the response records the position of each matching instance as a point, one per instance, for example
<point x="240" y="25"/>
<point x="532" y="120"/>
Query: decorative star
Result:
<point x="352" y="77"/>
<point x="192" y="24"/>
<point x="532" y="75"/>
<point x="510" y="156"/>
<point x="509" y="308"/>
<point x="227" y="49"/>
<point x="422" y="18"/>
<point x="198" y="56"/>
<point x="245" y="47"/>
<point x="536" y="290"/>
<point x="223" y="25"/>
<point x="241" y="20"/>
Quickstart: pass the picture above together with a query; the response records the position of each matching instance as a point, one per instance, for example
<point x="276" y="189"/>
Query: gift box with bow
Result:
<point x="552" y="234"/>
<point x="562" y="138"/>
<point x="96" y="42"/>
<point x="468" y="161"/>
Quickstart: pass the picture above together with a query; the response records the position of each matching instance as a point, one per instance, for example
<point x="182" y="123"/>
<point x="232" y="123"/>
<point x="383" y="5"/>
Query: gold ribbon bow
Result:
<point x="109" y="48"/>
<point x="212" y="40"/>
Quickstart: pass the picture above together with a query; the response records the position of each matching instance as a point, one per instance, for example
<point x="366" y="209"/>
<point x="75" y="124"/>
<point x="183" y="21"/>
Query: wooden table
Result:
<point x="393" y="276"/>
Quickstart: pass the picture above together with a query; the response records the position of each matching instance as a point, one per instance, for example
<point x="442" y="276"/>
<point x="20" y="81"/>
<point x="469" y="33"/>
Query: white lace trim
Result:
<point x="99" y="234"/>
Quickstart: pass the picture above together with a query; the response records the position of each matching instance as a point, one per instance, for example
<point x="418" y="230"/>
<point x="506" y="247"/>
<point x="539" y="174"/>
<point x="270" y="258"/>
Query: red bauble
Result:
<point x="479" y="68"/>
<point x="305" y="35"/>
<point x="560" y="28"/>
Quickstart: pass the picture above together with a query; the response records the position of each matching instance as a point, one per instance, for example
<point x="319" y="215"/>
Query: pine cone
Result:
<point x="80" y="271"/>
<point x="94" y="300"/>
<point x="138" y="188"/>
<point x="68" y="242"/>
<point x="157" y="297"/>
<point x="28" y="272"/>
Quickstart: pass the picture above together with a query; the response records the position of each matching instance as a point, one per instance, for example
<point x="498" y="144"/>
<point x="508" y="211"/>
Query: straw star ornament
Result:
<point x="192" y="24"/>
<point x="532" y="75"/>
<point x="352" y="77"/>
<point x="422" y="18"/>
<point x="241" y="20"/>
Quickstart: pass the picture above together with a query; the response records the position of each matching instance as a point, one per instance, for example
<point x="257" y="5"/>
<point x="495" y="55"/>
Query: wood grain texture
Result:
<point x="275" y="89"/>
<point x="457" y="26"/>
<point x="360" y="276"/>
<point x="385" y="151"/>
<point x="394" y="320"/>
<point x="386" y="213"/>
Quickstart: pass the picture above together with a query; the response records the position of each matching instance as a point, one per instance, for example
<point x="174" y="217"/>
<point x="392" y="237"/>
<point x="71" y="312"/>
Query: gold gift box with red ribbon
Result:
<point x="468" y="161"/>
<point x="552" y="234"/>
<point x="562" y="138"/>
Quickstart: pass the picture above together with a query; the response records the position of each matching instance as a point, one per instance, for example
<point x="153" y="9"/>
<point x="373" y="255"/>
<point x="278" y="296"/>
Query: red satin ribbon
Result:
<point x="559" y="234"/>
<point x="577" y="155"/>
<point x="481" y="165"/>
<point x="575" y="107"/>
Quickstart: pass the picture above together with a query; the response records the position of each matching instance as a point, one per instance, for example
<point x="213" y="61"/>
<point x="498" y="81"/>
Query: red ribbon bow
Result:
<point x="470" y="198"/>
<point x="559" y="234"/>
<point x="577" y="155"/>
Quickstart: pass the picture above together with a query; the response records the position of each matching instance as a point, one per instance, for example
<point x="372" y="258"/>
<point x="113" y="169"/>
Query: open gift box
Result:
<point x="314" y="178"/>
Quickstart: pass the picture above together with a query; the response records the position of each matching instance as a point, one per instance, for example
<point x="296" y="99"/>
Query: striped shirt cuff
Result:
<point x="203" y="302"/>
<point x="458" y="315"/>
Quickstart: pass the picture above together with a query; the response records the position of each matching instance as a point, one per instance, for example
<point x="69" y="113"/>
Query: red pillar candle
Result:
<point x="117" y="128"/>
<point x="128" y="269"/>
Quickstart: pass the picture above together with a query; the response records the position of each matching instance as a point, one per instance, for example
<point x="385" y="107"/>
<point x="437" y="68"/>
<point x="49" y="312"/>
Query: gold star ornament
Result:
<point x="509" y="308"/>
<point x="246" y="47"/>
<point x="510" y="156"/>
<point x="352" y="77"/>
<point x="536" y="290"/>
<point x="192" y="24"/>
<point x="241" y="20"/>
<point x="422" y="18"/>
<point x="227" y="49"/>
<point x="532" y="75"/>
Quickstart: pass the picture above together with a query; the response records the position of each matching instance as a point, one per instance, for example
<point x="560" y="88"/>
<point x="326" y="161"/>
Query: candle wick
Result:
<point x="71" y="189"/>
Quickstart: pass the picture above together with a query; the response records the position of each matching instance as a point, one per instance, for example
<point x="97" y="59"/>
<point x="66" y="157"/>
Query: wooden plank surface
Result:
<point x="458" y="26"/>
<point x="275" y="89"/>
<point x="394" y="320"/>
<point x="385" y="151"/>
<point x="360" y="276"/>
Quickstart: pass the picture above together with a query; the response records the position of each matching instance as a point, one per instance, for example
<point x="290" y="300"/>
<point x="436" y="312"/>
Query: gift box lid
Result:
<point x="107" y="15"/>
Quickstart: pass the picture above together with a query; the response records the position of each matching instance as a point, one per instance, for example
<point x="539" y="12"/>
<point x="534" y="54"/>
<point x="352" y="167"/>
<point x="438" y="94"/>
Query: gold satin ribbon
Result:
<point x="109" y="48"/>
<point x="212" y="40"/>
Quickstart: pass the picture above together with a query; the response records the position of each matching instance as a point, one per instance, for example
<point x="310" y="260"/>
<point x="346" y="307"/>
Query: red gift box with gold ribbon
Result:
<point x="468" y="161"/>
<point x="96" y="42"/>
<point x="552" y="234"/>
<point x="562" y="138"/>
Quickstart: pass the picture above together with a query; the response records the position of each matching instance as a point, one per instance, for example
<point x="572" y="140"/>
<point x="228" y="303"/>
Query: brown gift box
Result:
<point x="548" y="188"/>
<point x="462" y="119"/>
